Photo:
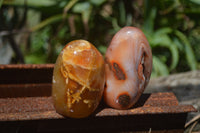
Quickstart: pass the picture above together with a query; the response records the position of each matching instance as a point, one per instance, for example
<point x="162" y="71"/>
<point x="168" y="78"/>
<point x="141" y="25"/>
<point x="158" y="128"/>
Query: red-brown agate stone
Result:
<point x="128" y="68"/>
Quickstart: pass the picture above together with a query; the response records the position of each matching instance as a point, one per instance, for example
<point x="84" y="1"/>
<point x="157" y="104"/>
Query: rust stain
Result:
<point x="140" y="72"/>
<point x="118" y="71"/>
<point x="124" y="99"/>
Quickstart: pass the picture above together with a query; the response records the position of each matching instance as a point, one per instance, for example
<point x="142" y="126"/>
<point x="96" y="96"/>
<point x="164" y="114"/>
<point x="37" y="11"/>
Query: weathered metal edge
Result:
<point x="108" y="112"/>
<point x="27" y="66"/>
<point x="40" y="108"/>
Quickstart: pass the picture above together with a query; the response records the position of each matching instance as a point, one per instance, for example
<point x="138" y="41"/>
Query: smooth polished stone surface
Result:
<point x="128" y="68"/>
<point x="78" y="79"/>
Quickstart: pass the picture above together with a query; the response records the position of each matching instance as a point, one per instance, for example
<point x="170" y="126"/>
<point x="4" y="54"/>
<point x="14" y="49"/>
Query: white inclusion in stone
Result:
<point x="71" y="110"/>
<point x="54" y="81"/>
<point x="142" y="61"/>
<point x="75" y="52"/>
<point x="128" y="32"/>
<point x="82" y="44"/>
<point x="66" y="81"/>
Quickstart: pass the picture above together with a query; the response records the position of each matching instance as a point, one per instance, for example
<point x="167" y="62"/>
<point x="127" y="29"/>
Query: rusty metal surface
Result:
<point x="25" y="103"/>
<point x="26" y="66"/>
<point x="29" y="73"/>
<point x="37" y="108"/>
<point x="25" y="90"/>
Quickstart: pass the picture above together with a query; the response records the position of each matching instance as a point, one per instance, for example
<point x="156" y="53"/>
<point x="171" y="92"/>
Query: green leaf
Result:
<point x="46" y="22"/>
<point x="176" y="4"/>
<point x="81" y="7"/>
<point x="149" y="21"/>
<point x="35" y="59"/>
<point x="196" y="1"/>
<point x="39" y="41"/>
<point x="177" y="42"/>
<point x="129" y="19"/>
<point x="122" y="13"/>
<point x="97" y="2"/>
<point x="175" y="56"/>
<point x="86" y="14"/>
<point x="194" y="10"/>
<point x="159" y="67"/>
<point x="1" y="2"/>
<point x="163" y="40"/>
<point x="102" y="49"/>
<point x="115" y="25"/>
<point x="188" y="50"/>
<point x="160" y="40"/>
<point x="70" y="5"/>
<point x="84" y="9"/>
<point x="162" y="31"/>
<point x="30" y="3"/>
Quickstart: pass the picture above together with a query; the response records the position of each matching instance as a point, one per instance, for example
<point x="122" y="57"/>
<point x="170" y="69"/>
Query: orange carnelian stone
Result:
<point x="78" y="79"/>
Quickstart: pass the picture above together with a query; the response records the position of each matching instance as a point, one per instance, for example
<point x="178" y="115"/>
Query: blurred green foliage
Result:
<point x="45" y="26"/>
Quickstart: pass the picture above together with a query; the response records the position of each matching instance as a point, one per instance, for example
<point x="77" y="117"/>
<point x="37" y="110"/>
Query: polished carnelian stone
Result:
<point x="78" y="79"/>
